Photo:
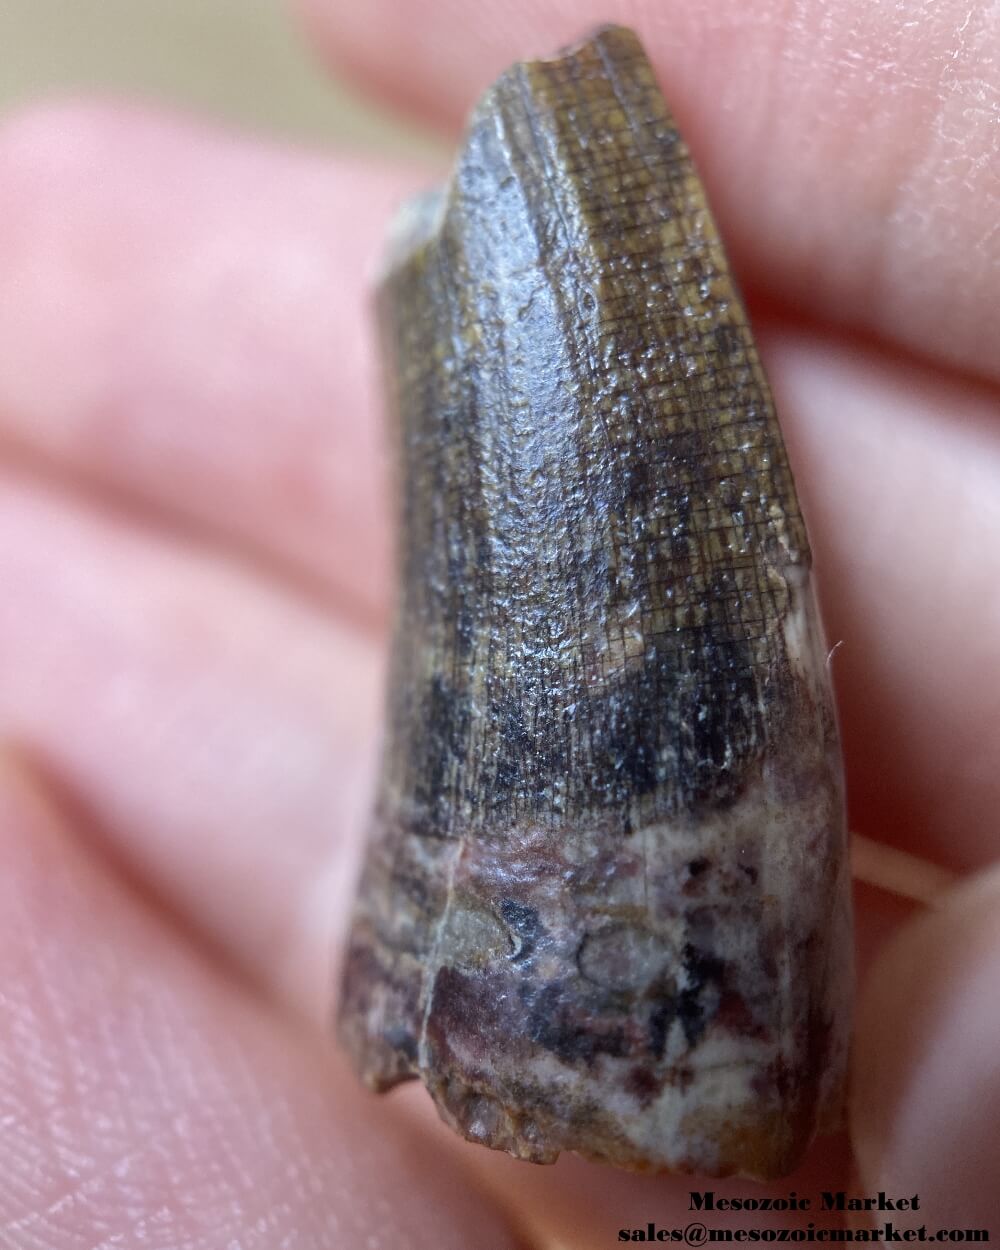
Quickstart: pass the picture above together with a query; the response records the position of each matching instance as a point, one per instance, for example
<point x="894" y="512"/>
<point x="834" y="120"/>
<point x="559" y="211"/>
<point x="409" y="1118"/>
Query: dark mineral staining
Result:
<point x="688" y="1005"/>
<point x="553" y="1025"/>
<point x="464" y="1011"/>
<point x="702" y="970"/>
<point x="660" y="1019"/>
<point x="403" y="1041"/>
<point x="524" y="925"/>
<point x="444" y="713"/>
<point x="643" y="1083"/>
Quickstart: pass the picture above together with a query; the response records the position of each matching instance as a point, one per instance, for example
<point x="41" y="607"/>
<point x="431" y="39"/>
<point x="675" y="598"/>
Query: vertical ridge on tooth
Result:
<point x="605" y="906"/>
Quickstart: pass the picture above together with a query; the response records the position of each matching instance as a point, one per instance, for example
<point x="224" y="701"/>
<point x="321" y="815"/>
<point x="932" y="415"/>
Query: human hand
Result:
<point x="193" y="554"/>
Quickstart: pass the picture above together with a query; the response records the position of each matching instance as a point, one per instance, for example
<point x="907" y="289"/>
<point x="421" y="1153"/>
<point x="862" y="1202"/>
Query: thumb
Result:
<point x="925" y="1106"/>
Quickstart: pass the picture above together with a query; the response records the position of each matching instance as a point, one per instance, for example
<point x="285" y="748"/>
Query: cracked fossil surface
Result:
<point x="605" y="906"/>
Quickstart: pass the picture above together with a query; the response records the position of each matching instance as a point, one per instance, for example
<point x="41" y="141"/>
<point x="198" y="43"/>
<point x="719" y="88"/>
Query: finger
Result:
<point x="218" y="734"/>
<point x="927" y="1087"/>
<point x="850" y="150"/>
<point x="146" y="1100"/>
<point x="900" y="475"/>
<point x="187" y="322"/>
<point x="899" y="872"/>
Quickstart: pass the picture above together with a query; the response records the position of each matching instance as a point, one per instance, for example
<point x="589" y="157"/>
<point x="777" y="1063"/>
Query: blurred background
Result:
<point x="243" y="61"/>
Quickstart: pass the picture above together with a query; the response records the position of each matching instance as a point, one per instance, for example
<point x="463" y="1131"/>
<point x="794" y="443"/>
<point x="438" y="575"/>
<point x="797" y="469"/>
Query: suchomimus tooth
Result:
<point x="605" y="905"/>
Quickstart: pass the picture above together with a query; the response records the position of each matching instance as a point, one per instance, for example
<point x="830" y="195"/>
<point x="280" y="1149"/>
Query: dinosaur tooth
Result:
<point x="605" y="906"/>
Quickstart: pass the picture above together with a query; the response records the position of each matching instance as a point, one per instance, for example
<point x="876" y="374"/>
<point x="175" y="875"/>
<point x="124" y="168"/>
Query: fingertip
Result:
<point x="925" y="1100"/>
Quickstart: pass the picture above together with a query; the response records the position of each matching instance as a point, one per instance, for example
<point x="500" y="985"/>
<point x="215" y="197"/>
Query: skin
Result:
<point x="193" y="552"/>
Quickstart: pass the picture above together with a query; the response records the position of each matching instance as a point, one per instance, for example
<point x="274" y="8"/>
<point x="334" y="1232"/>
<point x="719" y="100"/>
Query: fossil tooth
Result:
<point x="605" y="906"/>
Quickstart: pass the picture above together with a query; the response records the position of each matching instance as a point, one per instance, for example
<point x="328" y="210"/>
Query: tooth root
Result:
<point x="605" y="906"/>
